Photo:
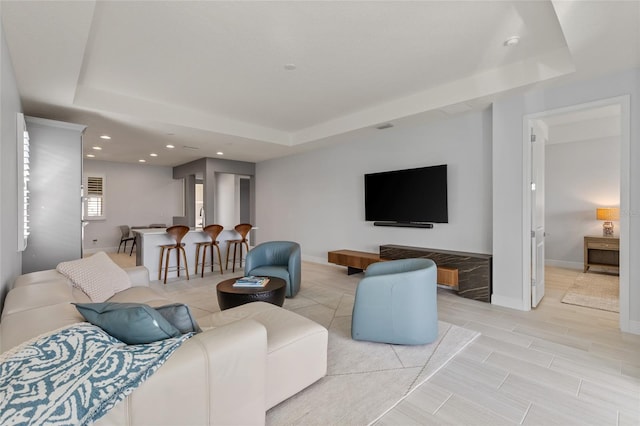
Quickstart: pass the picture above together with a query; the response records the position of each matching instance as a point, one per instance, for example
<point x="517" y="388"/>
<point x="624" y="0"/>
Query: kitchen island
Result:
<point x="149" y="240"/>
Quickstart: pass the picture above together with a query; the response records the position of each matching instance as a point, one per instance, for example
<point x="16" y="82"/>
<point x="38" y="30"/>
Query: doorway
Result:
<point x="245" y="200"/>
<point x="200" y="218"/>
<point x="539" y="139"/>
<point x="623" y="106"/>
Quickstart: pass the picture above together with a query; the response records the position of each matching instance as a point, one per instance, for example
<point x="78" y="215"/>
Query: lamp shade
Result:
<point x="608" y="213"/>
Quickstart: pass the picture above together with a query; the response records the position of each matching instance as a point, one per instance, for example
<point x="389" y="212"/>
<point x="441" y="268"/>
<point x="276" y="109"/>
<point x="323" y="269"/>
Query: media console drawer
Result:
<point x="448" y="276"/>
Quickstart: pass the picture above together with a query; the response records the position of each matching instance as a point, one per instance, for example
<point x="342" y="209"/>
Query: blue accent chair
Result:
<point x="396" y="302"/>
<point x="279" y="259"/>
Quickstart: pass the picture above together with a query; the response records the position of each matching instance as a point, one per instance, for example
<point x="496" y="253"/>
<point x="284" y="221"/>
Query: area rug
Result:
<point x="364" y="379"/>
<point x="597" y="291"/>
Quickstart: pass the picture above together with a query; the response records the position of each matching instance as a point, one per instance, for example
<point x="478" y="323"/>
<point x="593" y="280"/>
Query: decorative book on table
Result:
<point x="251" y="281"/>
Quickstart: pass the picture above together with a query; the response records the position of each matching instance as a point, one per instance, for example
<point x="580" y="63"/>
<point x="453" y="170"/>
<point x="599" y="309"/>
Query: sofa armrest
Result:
<point x="216" y="377"/>
<point x="40" y="277"/>
<point x="139" y="276"/>
<point x="295" y="268"/>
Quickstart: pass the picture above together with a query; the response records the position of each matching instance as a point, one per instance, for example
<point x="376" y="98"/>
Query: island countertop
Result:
<point x="158" y="231"/>
<point x="149" y="240"/>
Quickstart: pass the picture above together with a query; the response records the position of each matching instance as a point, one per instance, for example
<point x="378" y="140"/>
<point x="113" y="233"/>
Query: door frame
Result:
<point x="539" y="129"/>
<point x="625" y="167"/>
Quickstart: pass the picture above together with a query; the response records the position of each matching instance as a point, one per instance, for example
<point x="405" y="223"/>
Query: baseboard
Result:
<point x="634" y="327"/>
<point x="506" y="302"/>
<point x="564" y="264"/>
<point x="314" y="259"/>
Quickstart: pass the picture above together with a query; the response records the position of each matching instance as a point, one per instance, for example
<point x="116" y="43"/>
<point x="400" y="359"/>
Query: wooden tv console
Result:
<point x="355" y="261"/>
<point x="358" y="261"/>
<point x="470" y="274"/>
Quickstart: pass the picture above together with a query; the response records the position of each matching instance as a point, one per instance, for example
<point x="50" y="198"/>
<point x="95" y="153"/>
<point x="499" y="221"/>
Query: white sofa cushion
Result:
<point x="296" y="346"/>
<point x="98" y="276"/>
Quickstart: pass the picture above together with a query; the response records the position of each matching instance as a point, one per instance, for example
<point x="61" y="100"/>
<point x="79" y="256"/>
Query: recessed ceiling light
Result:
<point x="97" y="148"/>
<point x="220" y="153"/>
<point x="105" y="137"/>
<point x="512" y="41"/>
<point x="153" y="154"/>
<point x="90" y="156"/>
<point x="170" y="146"/>
<point x="290" y="67"/>
<point x="142" y="160"/>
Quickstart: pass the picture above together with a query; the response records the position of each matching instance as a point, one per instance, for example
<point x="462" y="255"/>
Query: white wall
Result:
<point x="317" y="198"/>
<point x="10" y="257"/>
<point x="580" y="176"/>
<point x="508" y="184"/>
<point x="55" y="207"/>
<point x="136" y="195"/>
<point x="226" y="214"/>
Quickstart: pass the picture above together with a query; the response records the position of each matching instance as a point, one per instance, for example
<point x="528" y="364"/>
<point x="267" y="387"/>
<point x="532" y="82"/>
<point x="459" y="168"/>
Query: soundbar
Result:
<point x="405" y="224"/>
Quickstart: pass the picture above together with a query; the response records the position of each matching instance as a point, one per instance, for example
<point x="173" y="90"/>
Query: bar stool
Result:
<point x="242" y="229"/>
<point x="213" y="231"/>
<point x="176" y="232"/>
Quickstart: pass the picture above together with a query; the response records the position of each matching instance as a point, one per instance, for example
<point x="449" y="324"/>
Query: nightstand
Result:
<point x="602" y="252"/>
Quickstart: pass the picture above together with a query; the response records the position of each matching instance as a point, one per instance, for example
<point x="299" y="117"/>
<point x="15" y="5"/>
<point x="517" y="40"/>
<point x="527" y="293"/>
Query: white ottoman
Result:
<point x="296" y="347"/>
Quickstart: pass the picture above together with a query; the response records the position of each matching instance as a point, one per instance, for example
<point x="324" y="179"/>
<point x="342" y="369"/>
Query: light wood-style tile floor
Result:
<point x="556" y="365"/>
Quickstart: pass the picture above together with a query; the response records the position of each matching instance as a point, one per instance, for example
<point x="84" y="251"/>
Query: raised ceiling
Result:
<point x="210" y="76"/>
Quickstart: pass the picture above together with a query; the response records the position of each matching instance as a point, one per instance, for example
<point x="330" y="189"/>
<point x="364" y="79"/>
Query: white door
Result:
<point x="537" y="214"/>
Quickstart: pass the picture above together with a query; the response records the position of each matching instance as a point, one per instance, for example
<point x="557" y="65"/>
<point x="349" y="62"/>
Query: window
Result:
<point x="94" y="201"/>
<point x="23" y="182"/>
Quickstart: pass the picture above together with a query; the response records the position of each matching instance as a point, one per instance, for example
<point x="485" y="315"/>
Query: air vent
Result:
<point x="190" y="147"/>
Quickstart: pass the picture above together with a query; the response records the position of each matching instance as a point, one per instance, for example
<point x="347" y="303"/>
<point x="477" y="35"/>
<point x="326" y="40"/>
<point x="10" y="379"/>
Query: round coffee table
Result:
<point x="230" y="296"/>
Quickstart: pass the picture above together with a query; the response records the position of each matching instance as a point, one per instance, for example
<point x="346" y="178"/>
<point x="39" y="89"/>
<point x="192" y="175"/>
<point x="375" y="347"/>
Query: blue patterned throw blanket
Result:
<point x="74" y="375"/>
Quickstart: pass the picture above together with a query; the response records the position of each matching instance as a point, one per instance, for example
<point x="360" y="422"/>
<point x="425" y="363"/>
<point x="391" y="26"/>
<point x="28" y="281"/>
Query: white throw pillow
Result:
<point x="98" y="276"/>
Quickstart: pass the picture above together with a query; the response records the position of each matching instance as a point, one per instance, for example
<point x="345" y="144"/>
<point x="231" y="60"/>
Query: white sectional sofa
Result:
<point x="246" y="360"/>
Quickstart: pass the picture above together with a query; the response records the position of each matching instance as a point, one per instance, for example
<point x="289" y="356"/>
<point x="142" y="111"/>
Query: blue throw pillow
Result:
<point x="179" y="316"/>
<point x="131" y="323"/>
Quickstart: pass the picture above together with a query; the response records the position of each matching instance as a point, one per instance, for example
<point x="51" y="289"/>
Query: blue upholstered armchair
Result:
<point x="396" y="303"/>
<point x="279" y="259"/>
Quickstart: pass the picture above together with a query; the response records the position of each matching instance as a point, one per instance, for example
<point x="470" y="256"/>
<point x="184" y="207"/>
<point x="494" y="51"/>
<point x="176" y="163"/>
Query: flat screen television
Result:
<point x="407" y="196"/>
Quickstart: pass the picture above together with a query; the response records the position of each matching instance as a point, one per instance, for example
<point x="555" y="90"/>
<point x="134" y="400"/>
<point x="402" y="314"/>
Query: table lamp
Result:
<point x="608" y="214"/>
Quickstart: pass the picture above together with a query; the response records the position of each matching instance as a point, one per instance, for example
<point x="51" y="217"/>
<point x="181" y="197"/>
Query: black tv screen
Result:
<point x="407" y="196"/>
